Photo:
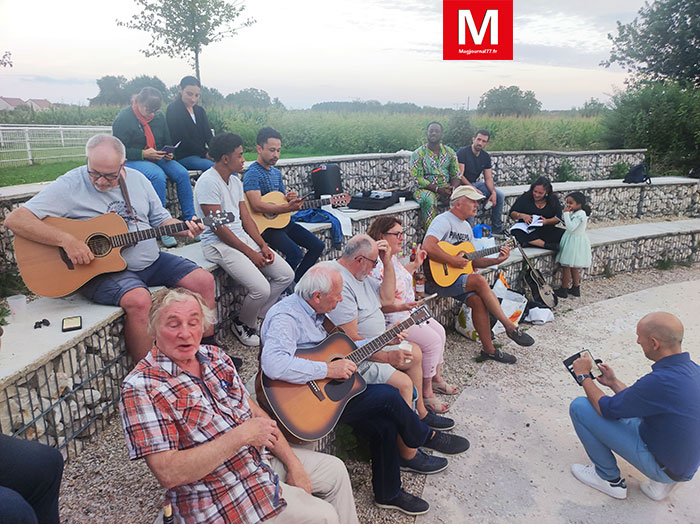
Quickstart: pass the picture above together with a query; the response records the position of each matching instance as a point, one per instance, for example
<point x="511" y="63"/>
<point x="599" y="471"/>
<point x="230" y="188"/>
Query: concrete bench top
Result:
<point x="24" y="347"/>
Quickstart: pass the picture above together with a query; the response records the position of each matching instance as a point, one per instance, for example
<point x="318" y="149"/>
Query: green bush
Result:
<point x="566" y="172"/>
<point x="662" y="117"/>
<point x="619" y="170"/>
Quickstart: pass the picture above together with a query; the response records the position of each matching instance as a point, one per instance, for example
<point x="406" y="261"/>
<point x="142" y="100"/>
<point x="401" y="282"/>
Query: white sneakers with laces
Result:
<point x="589" y="477"/>
<point x="657" y="490"/>
<point x="246" y="335"/>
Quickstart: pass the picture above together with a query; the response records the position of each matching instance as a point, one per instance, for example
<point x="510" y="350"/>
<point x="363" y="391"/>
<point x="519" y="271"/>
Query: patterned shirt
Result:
<point x="257" y="178"/>
<point x="165" y="408"/>
<point x="404" y="288"/>
<point x="428" y="168"/>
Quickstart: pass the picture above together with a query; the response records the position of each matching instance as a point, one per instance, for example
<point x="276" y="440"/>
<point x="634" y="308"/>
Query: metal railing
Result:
<point x="22" y="145"/>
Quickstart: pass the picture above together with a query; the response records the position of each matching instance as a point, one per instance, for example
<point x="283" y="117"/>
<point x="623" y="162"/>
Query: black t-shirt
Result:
<point x="526" y="204"/>
<point x="473" y="165"/>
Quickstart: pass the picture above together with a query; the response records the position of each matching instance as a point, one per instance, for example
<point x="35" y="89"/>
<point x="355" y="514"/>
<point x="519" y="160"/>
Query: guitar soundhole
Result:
<point x="270" y="216"/>
<point x="337" y="390"/>
<point x="99" y="244"/>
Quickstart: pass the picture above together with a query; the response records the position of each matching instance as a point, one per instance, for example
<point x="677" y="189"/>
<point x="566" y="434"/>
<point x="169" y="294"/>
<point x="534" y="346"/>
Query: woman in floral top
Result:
<point x="430" y="336"/>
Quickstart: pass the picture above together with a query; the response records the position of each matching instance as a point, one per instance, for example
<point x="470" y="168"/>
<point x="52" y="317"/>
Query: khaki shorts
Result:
<point x="377" y="372"/>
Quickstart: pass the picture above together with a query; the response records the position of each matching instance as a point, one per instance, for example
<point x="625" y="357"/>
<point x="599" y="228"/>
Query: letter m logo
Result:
<point x="477" y="30"/>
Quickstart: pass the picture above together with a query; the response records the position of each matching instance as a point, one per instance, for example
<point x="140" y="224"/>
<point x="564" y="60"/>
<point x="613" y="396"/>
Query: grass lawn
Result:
<point x="12" y="176"/>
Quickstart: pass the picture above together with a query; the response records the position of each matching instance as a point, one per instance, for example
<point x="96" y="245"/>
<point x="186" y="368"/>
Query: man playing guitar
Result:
<point x="263" y="177"/>
<point x="472" y="289"/>
<point x="380" y="414"/>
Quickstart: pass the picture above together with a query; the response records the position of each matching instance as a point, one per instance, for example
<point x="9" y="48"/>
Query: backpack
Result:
<point x="638" y="174"/>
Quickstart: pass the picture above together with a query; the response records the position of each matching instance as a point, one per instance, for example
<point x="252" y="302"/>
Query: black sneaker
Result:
<point x="406" y="503"/>
<point x="562" y="292"/>
<point x="499" y="356"/>
<point x="438" y="422"/>
<point x="575" y="291"/>
<point x="447" y="443"/>
<point x="520" y="337"/>
<point x="423" y="463"/>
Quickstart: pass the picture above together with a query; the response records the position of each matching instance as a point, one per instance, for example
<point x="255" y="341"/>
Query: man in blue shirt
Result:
<point x="261" y="178"/>
<point x="654" y="424"/>
<point x="379" y="414"/>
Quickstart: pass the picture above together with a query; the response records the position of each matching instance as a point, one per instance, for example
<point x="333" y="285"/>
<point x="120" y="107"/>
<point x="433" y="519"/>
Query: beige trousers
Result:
<point x="332" y="501"/>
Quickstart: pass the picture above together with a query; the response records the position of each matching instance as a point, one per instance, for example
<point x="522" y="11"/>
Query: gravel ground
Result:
<point x="102" y="485"/>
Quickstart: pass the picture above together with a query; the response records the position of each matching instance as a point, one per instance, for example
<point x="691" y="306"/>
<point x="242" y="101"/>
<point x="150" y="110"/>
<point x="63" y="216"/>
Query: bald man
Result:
<point x="654" y="424"/>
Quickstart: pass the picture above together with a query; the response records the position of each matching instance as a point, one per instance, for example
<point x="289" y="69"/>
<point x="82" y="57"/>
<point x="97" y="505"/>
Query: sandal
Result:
<point x="435" y="405"/>
<point x="445" y="388"/>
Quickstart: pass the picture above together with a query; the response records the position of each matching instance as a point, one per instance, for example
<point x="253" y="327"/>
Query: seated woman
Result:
<point x="142" y="129"/>
<point x="430" y="336"/>
<point x="188" y="124"/>
<point x="538" y="200"/>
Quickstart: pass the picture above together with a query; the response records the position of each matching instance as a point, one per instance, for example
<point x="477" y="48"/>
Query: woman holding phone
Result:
<point x="430" y="336"/>
<point x="143" y="131"/>
<point x="189" y="126"/>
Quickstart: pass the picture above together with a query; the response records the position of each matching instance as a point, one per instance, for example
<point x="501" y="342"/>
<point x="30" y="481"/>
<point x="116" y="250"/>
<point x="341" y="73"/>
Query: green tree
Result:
<point x="250" y="97"/>
<point x="663" y="42"/>
<point x="592" y="107"/>
<point x="137" y="83"/>
<point x="181" y="28"/>
<point x="458" y="130"/>
<point x="510" y="100"/>
<point x="111" y="91"/>
<point x="6" y="59"/>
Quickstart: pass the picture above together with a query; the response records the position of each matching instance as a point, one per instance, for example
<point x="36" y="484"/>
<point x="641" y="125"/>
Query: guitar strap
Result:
<point x="330" y="327"/>
<point x="129" y="207"/>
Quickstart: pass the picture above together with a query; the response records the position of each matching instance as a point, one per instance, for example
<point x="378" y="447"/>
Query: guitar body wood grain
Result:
<point x="48" y="272"/>
<point x="270" y="220"/>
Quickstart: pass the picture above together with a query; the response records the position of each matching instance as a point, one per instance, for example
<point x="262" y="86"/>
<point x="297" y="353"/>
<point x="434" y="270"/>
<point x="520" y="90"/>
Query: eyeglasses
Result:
<point x="374" y="262"/>
<point x="109" y="177"/>
<point x="398" y="235"/>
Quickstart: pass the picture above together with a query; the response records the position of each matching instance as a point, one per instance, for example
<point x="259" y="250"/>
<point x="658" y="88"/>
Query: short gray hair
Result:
<point x="100" y="139"/>
<point x="175" y="295"/>
<point x="319" y="278"/>
<point x="359" y="245"/>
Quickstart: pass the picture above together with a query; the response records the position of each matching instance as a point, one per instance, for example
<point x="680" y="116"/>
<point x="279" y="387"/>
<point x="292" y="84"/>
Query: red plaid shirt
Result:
<point x="165" y="408"/>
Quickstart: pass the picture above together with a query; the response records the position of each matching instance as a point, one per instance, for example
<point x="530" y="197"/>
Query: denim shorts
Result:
<point x="455" y="290"/>
<point x="167" y="271"/>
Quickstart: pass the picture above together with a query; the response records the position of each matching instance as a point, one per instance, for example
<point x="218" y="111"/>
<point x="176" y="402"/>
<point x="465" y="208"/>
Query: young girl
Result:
<point x="575" y="248"/>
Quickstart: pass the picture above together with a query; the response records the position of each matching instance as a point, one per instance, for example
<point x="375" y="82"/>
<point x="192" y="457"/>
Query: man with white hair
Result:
<point x="360" y="315"/>
<point x="654" y="424"/>
<point x="393" y="430"/>
<point x="185" y="410"/>
<point x="92" y="190"/>
<point x="472" y="289"/>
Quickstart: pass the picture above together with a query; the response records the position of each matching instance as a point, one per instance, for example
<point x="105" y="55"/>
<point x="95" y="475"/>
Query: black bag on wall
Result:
<point x="325" y="180"/>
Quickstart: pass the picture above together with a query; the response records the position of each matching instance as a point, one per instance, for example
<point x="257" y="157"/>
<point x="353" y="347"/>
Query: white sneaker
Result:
<point x="246" y="335"/>
<point x="589" y="477"/>
<point x="657" y="490"/>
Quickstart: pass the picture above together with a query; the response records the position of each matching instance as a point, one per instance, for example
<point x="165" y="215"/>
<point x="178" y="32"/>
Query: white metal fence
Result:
<point x="22" y="145"/>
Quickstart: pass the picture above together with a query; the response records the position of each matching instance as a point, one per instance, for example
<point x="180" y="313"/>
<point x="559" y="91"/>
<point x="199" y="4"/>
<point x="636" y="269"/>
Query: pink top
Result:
<point x="404" y="288"/>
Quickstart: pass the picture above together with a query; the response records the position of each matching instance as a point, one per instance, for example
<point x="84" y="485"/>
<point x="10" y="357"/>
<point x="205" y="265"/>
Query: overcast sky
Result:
<point x="309" y="51"/>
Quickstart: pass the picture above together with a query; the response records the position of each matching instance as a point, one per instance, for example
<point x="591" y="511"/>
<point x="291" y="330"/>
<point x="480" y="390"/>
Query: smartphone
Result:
<point x="595" y="370"/>
<point x="170" y="149"/>
<point x="72" y="323"/>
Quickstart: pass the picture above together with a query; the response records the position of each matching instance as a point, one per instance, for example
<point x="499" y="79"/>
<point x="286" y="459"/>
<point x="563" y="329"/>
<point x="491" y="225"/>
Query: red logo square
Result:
<point x="477" y="30"/>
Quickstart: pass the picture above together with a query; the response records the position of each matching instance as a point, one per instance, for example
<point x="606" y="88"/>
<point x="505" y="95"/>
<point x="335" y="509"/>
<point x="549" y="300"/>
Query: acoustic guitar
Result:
<point x="445" y="275"/>
<point x="280" y="220"/>
<point x="541" y="291"/>
<point x="49" y="272"/>
<point x="308" y="412"/>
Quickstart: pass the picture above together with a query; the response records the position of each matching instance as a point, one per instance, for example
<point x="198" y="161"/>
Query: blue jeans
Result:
<point x="30" y="479"/>
<point x="601" y="436"/>
<point x="196" y="163"/>
<point x="157" y="171"/>
<point x="496" y="211"/>
<point x="378" y="415"/>
<point x="287" y="241"/>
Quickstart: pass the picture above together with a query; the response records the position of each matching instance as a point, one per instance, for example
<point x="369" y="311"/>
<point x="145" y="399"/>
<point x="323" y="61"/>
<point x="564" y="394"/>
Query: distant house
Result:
<point x="9" y="104"/>
<point x="38" y="104"/>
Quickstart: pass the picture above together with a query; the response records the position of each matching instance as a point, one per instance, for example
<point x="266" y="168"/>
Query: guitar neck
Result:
<point x="369" y="349"/>
<point x="128" y="239"/>
<point x="481" y="253"/>
<point x="315" y="203"/>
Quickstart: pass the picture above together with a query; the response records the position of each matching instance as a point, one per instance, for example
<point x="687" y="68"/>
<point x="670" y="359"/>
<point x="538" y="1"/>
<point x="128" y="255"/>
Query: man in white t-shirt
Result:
<point x="473" y="289"/>
<point x="238" y="247"/>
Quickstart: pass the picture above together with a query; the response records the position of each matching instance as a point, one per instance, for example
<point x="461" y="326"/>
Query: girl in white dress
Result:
<point x="575" y="247"/>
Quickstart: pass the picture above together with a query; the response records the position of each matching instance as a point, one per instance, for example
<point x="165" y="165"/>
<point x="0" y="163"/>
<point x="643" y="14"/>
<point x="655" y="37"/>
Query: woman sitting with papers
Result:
<point x="537" y="212"/>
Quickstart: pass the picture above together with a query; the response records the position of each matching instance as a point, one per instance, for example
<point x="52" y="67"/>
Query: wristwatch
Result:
<point x="581" y="378"/>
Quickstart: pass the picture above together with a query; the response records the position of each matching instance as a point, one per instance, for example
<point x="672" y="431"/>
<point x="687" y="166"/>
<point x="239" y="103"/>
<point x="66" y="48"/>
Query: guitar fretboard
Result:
<point x="127" y="239"/>
<point x="481" y="253"/>
<point x="316" y="203"/>
<point x="382" y="340"/>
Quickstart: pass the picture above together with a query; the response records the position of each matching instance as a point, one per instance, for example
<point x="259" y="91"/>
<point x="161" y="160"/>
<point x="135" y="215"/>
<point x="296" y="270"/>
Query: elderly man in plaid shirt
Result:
<point x="221" y="458"/>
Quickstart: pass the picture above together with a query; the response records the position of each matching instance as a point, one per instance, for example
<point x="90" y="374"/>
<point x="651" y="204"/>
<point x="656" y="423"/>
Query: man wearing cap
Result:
<point x="472" y="289"/>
